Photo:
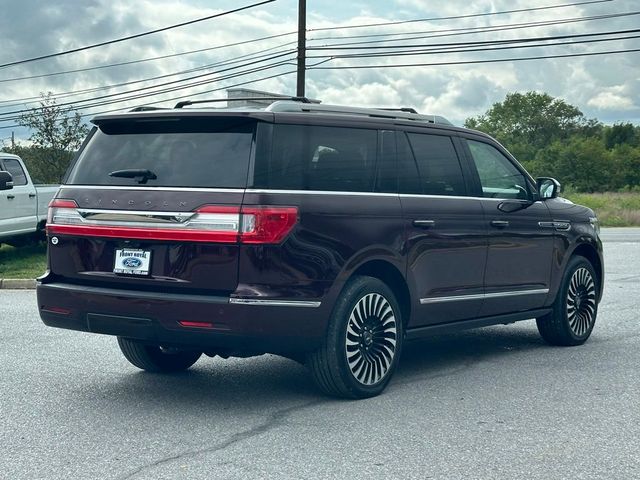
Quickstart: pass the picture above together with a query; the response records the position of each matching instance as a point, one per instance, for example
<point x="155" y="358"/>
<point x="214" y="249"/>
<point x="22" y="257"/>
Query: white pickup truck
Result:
<point x="23" y="205"/>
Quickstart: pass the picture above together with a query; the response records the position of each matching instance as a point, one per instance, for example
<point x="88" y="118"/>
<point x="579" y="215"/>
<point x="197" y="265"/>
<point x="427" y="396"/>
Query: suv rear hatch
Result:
<point x="155" y="203"/>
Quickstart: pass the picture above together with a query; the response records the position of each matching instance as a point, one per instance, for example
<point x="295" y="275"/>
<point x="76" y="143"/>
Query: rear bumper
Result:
<point x="236" y="326"/>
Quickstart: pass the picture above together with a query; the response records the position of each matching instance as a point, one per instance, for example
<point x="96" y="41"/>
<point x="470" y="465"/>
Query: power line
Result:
<point x="150" y="59"/>
<point x="480" y="42"/>
<point x="326" y="47"/>
<point x="256" y="57"/>
<point x="436" y="51"/>
<point x="309" y="30"/>
<point x="191" y="95"/>
<point x="468" y="62"/>
<point x="138" y="35"/>
<point x="473" y="30"/>
<point x="136" y="96"/>
<point x="65" y="104"/>
<point x="202" y="92"/>
<point x="472" y="15"/>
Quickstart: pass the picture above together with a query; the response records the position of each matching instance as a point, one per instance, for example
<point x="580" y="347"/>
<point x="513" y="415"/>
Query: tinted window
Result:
<point x="187" y="152"/>
<point x="408" y="177"/>
<point x="498" y="176"/>
<point x="15" y="169"/>
<point x="387" y="174"/>
<point x="438" y="165"/>
<point x="306" y="157"/>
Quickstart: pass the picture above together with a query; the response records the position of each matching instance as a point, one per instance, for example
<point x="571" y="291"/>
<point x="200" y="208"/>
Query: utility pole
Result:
<point x="302" y="41"/>
<point x="13" y="140"/>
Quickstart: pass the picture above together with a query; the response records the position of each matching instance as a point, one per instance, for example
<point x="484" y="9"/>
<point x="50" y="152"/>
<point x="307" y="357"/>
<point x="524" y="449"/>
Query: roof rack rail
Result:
<point x="404" y="113"/>
<point x="144" y="108"/>
<point x="399" y="109"/>
<point x="214" y="100"/>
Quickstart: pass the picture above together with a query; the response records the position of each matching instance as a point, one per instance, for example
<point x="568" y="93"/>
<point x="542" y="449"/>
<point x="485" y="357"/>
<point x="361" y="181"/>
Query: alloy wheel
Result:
<point x="581" y="301"/>
<point x="371" y="339"/>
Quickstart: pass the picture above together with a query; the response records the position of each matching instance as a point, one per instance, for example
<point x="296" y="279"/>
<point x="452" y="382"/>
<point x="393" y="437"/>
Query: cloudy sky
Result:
<point x="606" y="87"/>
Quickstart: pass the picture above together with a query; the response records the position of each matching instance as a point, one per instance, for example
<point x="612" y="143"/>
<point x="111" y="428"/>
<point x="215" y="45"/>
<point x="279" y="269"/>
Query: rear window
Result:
<point x="308" y="157"/>
<point x="178" y="152"/>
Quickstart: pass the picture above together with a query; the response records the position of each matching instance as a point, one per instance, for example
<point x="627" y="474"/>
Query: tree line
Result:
<point x="553" y="138"/>
<point x="547" y="135"/>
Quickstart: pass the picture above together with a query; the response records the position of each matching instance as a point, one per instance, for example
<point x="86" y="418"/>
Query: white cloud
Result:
<point x="606" y="87"/>
<point x="612" y="99"/>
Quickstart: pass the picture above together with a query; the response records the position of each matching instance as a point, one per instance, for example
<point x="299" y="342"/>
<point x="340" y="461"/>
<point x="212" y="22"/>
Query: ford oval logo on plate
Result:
<point x="129" y="261"/>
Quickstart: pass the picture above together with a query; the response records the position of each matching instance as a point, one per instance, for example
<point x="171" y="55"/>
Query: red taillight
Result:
<point x="210" y="223"/>
<point x="59" y="205"/>
<point x="267" y="224"/>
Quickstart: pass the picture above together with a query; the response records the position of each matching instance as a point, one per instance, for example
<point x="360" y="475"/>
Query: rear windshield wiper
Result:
<point x="145" y="175"/>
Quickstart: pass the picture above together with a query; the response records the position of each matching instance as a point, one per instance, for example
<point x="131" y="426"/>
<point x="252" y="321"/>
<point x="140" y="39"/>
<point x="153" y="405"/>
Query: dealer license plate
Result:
<point x="132" y="262"/>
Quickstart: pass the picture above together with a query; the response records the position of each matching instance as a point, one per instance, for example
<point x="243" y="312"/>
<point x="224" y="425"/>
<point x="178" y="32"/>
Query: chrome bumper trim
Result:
<point x="275" y="303"/>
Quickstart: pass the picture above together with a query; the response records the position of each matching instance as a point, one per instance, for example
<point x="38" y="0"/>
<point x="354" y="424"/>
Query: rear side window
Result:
<point x="179" y="152"/>
<point x="308" y="157"/>
<point x="15" y="169"/>
<point x="439" y="169"/>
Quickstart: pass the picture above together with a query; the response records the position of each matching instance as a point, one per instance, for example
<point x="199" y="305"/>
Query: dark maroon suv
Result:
<point x="325" y="234"/>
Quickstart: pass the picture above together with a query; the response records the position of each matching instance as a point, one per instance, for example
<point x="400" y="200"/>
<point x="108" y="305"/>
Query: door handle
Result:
<point x="32" y="195"/>
<point x="11" y="197"/>
<point x="499" y="223"/>
<point x="424" y="223"/>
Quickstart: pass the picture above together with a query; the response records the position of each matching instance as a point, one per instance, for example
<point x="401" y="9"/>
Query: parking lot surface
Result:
<point x="492" y="403"/>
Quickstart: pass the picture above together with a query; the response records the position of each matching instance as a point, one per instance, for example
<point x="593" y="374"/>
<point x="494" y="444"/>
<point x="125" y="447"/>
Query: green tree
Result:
<point x="580" y="162"/>
<point x="56" y="134"/>
<point x="620" y="134"/>
<point x="528" y="122"/>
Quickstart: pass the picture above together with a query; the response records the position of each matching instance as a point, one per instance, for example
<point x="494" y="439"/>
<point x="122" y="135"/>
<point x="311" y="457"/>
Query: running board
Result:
<point x="441" y="328"/>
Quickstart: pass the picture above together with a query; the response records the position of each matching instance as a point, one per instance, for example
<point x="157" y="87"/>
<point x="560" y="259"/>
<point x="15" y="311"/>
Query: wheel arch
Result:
<point x="589" y="252"/>
<point x="393" y="278"/>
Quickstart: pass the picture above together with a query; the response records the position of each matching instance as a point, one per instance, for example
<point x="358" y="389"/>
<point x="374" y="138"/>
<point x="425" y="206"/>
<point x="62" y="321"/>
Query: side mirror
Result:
<point x="547" y="187"/>
<point x="6" y="181"/>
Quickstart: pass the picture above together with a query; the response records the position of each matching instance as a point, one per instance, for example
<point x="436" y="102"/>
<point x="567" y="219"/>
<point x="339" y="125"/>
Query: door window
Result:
<point x="309" y="157"/>
<point x="15" y="169"/>
<point x="498" y="176"/>
<point x="438" y="167"/>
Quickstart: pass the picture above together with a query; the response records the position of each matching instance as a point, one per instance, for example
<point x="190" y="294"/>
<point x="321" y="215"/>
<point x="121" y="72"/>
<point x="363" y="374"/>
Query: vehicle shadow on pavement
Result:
<point x="444" y="353"/>
<point x="234" y="385"/>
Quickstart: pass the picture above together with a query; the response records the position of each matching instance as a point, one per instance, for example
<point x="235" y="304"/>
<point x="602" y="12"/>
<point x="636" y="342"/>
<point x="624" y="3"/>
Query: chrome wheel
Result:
<point x="581" y="302"/>
<point x="371" y="339"/>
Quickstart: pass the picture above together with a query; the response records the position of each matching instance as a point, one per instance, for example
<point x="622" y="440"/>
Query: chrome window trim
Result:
<point x="482" y="296"/>
<point x="275" y="303"/>
<point x="277" y="191"/>
<point x="374" y="194"/>
<point x="320" y="192"/>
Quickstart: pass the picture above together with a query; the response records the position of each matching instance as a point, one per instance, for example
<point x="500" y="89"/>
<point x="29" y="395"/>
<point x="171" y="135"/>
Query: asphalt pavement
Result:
<point x="493" y="403"/>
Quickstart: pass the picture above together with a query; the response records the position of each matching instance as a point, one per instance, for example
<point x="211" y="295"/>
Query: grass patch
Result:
<point x="23" y="262"/>
<point x="612" y="208"/>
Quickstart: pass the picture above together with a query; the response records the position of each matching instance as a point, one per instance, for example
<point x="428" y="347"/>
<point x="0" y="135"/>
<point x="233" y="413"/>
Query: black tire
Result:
<point x="363" y="343"/>
<point x="153" y="358"/>
<point x="575" y="308"/>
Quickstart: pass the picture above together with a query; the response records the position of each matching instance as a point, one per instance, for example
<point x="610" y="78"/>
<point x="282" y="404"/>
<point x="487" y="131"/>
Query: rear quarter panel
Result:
<point x="336" y="233"/>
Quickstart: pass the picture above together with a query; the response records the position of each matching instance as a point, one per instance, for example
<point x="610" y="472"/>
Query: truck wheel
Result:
<point x="363" y="343"/>
<point x="575" y="308"/>
<point x="153" y="358"/>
